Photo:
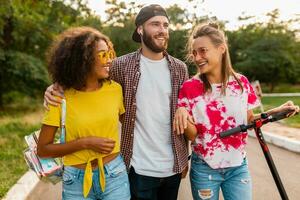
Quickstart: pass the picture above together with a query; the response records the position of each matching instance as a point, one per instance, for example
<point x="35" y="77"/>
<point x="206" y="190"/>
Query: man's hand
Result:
<point x="99" y="144"/>
<point x="51" y="93"/>
<point x="181" y="119"/>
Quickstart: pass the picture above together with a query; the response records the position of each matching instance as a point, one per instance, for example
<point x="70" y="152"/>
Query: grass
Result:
<point x="281" y="88"/>
<point x="16" y="121"/>
<point x="271" y="102"/>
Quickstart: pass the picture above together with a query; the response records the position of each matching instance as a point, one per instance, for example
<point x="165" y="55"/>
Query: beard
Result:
<point x="150" y="43"/>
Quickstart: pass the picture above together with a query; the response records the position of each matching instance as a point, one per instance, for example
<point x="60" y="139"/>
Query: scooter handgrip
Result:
<point x="231" y="131"/>
<point x="281" y="115"/>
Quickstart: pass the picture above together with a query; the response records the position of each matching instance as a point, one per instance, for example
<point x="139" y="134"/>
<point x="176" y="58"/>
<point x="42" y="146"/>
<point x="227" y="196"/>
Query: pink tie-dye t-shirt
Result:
<point x="214" y="113"/>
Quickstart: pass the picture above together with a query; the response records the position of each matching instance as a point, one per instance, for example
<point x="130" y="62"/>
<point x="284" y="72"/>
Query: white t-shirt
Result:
<point x="152" y="145"/>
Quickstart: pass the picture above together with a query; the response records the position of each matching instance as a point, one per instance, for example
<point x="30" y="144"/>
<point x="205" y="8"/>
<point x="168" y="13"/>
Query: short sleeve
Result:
<point x="121" y="108"/>
<point x="252" y="99"/>
<point x="52" y="116"/>
<point x="183" y="100"/>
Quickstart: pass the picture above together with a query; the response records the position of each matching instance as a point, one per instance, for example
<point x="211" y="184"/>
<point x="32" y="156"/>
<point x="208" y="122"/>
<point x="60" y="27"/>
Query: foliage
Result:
<point x="23" y="72"/>
<point x="119" y="12"/>
<point x="27" y="28"/>
<point x="281" y="88"/>
<point x="266" y="51"/>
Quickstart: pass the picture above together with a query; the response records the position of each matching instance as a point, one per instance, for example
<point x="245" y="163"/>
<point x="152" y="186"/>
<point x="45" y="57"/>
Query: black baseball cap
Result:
<point x="146" y="13"/>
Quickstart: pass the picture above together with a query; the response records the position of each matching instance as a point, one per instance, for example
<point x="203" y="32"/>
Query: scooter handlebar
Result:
<point x="279" y="116"/>
<point x="232" y="131"/>
<point x="243" y="128"/>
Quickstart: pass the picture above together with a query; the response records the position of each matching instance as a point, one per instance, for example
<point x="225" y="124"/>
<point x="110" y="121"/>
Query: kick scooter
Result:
<point x="257" y="124"/>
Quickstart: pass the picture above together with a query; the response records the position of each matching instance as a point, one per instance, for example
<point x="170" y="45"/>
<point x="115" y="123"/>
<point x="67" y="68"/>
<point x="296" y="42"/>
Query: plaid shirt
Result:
<point x="126" y="71"/>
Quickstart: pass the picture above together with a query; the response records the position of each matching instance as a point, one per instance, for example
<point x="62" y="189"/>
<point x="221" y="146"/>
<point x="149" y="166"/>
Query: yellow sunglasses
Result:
<point x="106" y="55"/>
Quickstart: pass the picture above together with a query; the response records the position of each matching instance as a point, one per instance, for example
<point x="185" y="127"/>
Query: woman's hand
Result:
<point x="51" y="93"/>
<point x="47" y="149"/>
<point x="289" y="105"/>
<point x="181" y="119"/>
<point x="99" y="144"/>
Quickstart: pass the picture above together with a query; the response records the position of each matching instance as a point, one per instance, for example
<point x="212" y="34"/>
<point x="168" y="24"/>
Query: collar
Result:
<point x="138" y="57"/>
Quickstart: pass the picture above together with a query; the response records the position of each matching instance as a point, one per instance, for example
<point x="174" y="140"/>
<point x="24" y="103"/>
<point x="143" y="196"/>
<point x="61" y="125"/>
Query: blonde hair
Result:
<point x="217" y="37"/>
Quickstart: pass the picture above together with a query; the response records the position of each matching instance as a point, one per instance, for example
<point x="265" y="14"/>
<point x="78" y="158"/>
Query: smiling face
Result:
<point x="101" y="69"/>
<point x="155" y="33"/>
<point x="206" y="55"/>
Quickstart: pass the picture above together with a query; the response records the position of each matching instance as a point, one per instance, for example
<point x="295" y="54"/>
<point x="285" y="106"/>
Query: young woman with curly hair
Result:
<point x="79" y="61"/>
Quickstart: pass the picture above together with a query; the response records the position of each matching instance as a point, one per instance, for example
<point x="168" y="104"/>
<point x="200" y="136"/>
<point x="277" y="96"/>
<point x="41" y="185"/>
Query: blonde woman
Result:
<point x="211" y="102"/>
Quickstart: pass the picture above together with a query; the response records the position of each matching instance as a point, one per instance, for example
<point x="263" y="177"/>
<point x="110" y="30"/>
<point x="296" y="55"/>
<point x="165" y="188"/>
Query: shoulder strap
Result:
<point x="63" y="122"/>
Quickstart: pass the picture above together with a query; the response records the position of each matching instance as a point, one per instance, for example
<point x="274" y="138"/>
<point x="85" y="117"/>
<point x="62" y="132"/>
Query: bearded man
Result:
<point x="151" y="78"/>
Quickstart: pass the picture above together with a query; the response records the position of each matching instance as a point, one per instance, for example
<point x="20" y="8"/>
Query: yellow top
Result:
<point x="90" y="114"/>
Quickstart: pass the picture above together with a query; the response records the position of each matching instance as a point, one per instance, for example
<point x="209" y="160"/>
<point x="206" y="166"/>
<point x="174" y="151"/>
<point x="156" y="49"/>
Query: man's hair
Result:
<point x="71" y="57"/>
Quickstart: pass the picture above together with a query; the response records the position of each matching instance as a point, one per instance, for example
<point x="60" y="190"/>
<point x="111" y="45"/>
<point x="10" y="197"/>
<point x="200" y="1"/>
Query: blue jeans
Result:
<point x="117" y="183"/>
<point x="206" y="182"/>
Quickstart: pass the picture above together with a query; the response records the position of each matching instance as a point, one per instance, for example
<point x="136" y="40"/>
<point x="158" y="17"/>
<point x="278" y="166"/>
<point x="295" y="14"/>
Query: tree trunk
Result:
<point x="272" y="86"/>
<point x="8" y="28"/>
<point x="7" y="41"/>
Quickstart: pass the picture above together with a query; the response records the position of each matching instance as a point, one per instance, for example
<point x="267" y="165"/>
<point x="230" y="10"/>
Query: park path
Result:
<point x="264" y="188"/>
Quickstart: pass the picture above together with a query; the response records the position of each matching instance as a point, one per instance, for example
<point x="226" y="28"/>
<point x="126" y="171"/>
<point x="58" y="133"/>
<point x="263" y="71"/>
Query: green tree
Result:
<point x="266" y="51"/>
<point x="27" y="28"/>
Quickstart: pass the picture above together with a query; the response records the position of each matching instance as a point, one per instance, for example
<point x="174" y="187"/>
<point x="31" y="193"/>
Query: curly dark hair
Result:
<point x="72" y="56"/>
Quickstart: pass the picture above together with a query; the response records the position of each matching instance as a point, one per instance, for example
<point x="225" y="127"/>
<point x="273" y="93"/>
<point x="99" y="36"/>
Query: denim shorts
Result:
<point x="206" y="182"/>
<point x="117" y="183"/>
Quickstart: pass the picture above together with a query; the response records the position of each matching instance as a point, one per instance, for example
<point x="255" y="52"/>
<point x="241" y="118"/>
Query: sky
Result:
<point x="228" y="10"/>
